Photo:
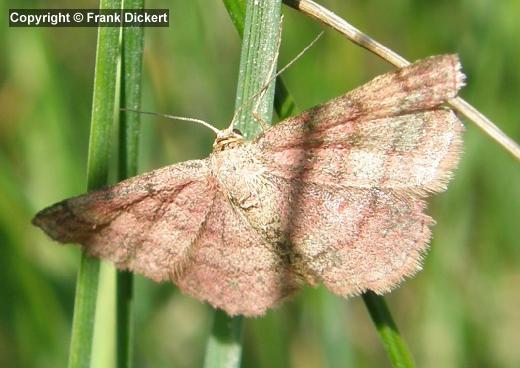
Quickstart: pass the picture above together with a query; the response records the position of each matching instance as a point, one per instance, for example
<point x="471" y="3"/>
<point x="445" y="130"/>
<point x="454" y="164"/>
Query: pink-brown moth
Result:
<point x="334" y="195"/>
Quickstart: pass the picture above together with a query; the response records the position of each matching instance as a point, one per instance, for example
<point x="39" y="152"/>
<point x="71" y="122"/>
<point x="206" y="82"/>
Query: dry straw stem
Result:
<point x="355" y="35"/>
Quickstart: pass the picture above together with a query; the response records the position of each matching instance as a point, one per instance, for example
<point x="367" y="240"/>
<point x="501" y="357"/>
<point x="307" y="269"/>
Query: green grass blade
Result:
<point x="284" y="104"/>
<point x="103" y="112"/>
<point x="393" y="342"/>
<point x="84" y="313"/>
<point x="224" y="345"/>
<point x="131" y="71"/>
<point x="259" y="49"/>
<point x="124" y="293"/>
<point x="129" y="124"/>
<point x="237" y="12"/>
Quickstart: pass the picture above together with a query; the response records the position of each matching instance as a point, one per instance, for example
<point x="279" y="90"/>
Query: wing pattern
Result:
<point x="144" y="224"/>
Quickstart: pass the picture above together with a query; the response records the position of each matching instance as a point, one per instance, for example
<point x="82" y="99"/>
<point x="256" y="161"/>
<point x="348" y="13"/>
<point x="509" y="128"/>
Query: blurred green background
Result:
<point x="461" y="311"/>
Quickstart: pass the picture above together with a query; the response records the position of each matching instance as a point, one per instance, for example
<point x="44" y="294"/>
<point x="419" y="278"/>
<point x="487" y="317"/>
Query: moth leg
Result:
<point x="263" y="123"/>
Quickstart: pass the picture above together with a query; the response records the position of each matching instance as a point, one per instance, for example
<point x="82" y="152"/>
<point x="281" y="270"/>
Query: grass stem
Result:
<point x="103" y="114"/>
<point x="259" y="53"/>
<point x="129" y="124"/>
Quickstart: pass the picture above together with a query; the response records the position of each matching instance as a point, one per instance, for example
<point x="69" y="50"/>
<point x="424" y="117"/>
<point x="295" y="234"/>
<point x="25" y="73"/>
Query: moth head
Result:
<point x="228" y="138"/>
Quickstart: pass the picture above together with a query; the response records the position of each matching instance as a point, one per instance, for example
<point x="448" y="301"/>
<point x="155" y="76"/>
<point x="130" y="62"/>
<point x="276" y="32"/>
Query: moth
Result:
<point x="335" y="195"/>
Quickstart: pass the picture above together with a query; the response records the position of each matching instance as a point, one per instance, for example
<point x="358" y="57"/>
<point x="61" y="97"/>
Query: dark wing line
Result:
<point x="323" y="130"/>
<point x="427" y="175"/>
<point x="157" y="214"/>
<point x="145" y="224"/>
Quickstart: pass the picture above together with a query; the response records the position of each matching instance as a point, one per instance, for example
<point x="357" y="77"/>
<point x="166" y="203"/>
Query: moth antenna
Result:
<point x="266" y="85"/>
<point x="173" y="117"/>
